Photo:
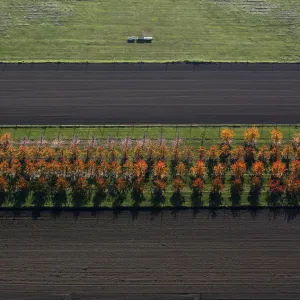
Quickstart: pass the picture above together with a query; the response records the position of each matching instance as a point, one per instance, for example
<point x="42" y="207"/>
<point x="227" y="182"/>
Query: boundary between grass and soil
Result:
<point x="35" y="213"/>
<point x="148" y="66"/>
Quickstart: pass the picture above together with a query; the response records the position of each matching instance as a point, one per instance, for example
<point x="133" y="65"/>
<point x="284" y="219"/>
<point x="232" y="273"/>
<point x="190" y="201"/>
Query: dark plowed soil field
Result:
<point x="150" y="256"/>
<point x="178" y="94"/>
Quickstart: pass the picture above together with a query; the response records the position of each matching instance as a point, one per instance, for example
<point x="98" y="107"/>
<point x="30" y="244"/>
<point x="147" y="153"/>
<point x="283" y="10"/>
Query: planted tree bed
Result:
<point x="149" y="166"/>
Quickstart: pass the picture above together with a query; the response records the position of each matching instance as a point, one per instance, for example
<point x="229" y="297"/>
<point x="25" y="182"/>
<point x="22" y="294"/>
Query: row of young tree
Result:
<point x="113" y="170"/>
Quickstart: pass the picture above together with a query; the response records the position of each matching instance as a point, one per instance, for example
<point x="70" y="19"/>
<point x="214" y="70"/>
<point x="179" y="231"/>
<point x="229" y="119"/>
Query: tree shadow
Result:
<point x="196" y="199"/>
<point x="235" y="198"/>
<point x="35" y="214"/>
<point x="274" y="199"/>
<point x="118" y="200"/>
<point x="19" y="198"/>
<point x="134" y="213"/>
<point x="137" y="197"/>
<point x="210" y="167"/>
<point x="76" y="214"/>
<point x="173" y="165"/>
<point x="55" y="213"/>
<point x="213" y="213"/>
<point x="293" y="200"/>
<point x="116" y="212"/>
<point x="274" y="212"/>
<point x="196" y="211"/>
<point x="253" y="212"/>
<point x="79" y="199"/>
<point x="154" y="213"/>
<point x="59" y="199"/>
<point x="99" y="198"/>
<point x="253" y="197"/>
<point x="235" y="212"/>
<point x="291" y="213"/>
<point x="39" y="198"/>
<point x="177" y="199"/>
<point x="215" y="199"/>
<point x="2" y="198"/>
<point x="158" y="198"/>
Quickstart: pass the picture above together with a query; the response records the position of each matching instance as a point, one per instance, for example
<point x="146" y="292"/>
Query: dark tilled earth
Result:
<point x="181" y="94"/>
<point x="150" y="256"/>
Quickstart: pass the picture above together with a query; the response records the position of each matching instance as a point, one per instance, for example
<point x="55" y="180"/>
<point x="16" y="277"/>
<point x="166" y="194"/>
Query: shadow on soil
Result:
<point x="289" y="213"/>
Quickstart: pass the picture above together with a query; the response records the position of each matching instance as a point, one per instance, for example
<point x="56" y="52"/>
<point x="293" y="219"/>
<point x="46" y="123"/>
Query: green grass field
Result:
<point x="195" y="30"/>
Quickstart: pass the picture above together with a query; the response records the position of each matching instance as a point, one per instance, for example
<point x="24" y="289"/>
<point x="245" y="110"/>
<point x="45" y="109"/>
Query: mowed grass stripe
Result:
<point x="203" y="30"/>
<point x="205" y="135"/>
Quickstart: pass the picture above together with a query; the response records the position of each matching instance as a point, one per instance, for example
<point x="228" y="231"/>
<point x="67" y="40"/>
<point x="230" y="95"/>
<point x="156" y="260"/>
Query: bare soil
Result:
<point x="164" y="255"/>
<point x="163" y="94"/>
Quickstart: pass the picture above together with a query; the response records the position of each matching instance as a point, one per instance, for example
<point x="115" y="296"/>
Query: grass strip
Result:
<point x="96" y="31"/>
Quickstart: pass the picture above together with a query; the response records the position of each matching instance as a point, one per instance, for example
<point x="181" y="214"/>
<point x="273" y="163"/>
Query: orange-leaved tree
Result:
<point x="237" y="153"/>
<point x="250" y="155"/>
<point x="140" y="169"/>
<point x="215" y="196"/>
<point x="287" y="154"/>
<point x="178" y="185"/>
<point x="197" y="173"/>
<point x="5" y="140"/>
<point x="217" y="186"/>
<point x="128" y="172"/>
<point x="275" y="153"/>
<point x="263" y="155"/>
<point x="176" y="153"/>
<point x="296" y="140"/>
<point x="295" y="169"/>
<point x="21" y="185"/>
<point x="276" y="184"/>
<point x="79" y="192"/>
<point x="213" y="157"/>
<point x="60" y="191"/>
<point x="257" y="172"/>
<point x="297" y="153"/>
<point x="276" y="137"/>
<point x="188" y="156"/>
<point x="121" y="186"/>
<point x="258" y="169"/>
<point x="225" y="154"/>
<point x="227" y="136"/>
<point x="160" y="179"/>
<point x="255" y="186"/>
<point x="278" y="170"/>
<point x="251" y="135"/>
<point x="197" y="185"/>
<point x="39" y="186"/>
<point x="181" y="171"/>
<point x="276" y="189"/>
<point x="3" y="184"/>
<point x="62" y="184"/>
<point x="160" y="170"/>
<point x="101" y="185"/>
<point x="198" y="170"/>
<point x="202" y="153"/>
<point x="292" y="185"/>
<point x="125" y="149"/>
<point x="238" y="170"/>
<point x="3" y="189"/>
<point x="219" y="171"/>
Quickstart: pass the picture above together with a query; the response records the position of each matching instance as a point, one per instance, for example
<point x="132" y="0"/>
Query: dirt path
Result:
<point x="162" y="256"/>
